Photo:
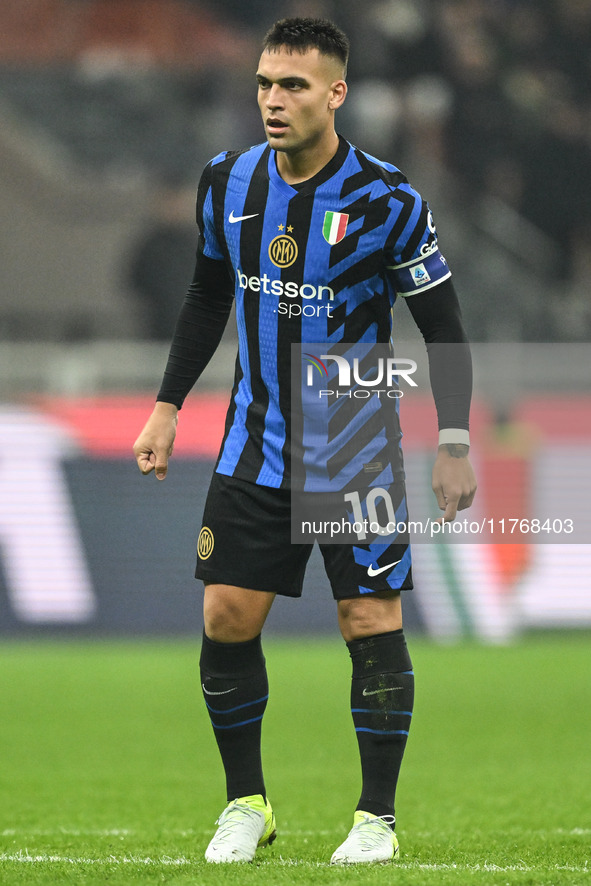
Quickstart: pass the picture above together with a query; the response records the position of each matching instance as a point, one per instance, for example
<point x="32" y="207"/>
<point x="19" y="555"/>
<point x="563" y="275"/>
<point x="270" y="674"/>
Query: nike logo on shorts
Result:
<point x="371" y="571"/>
<point x="238" y="218"/>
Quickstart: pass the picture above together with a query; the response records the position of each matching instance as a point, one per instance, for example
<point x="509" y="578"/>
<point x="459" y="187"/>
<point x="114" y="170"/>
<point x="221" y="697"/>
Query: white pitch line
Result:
<point x="110" y="859"/>
<point x="27" y="858"/>
<point x="203" y="832"/>
<point x="67" y="832"/>
<point x="123" y="832"/>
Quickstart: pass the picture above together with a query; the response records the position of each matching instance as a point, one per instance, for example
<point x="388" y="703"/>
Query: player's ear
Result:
<point x="338" y="92"/>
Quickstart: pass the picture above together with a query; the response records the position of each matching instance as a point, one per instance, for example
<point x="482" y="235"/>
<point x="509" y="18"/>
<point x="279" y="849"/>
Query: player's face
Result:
<point x="298" y="95"/>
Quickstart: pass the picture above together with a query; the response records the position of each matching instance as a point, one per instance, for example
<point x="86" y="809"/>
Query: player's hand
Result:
<point x="454" y="483"/>
<point x="154" y="446"/>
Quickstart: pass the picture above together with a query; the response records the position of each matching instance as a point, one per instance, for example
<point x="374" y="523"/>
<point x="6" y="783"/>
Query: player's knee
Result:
<point x="366" y="617"/>
<point x="223" y="622"/>
<point x="355" y="622"/>
<point x="227" y="619"/>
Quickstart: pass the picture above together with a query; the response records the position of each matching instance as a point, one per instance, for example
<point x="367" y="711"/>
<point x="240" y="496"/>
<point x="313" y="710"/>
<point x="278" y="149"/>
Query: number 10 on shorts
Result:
<point x="375" y="515"/>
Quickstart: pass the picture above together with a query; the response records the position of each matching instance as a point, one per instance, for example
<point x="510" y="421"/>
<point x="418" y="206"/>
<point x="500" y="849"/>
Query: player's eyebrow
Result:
<point x="283" y="81"/>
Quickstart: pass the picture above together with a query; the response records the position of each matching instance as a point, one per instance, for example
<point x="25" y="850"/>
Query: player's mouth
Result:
<point x="275" y="126"/>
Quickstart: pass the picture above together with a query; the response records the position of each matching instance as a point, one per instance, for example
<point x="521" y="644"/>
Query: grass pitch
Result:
<point x="109" y="771"/>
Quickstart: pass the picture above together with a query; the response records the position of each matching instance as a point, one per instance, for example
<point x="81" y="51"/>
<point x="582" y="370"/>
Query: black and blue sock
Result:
<point x="382" y="695"/>
<point x="235" y="688"/>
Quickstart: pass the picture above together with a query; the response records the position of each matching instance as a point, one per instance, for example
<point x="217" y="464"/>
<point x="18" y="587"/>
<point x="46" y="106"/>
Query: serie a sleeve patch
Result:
<point x="420" y="274"/>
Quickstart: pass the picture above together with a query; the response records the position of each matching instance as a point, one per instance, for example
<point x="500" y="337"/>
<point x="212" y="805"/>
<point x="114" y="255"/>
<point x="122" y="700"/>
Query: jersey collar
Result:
<point x="311" y="184"/>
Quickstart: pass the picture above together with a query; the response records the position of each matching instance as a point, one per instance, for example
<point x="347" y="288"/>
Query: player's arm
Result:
<point x="437" y="314"/>
<point x="199" y="329"/>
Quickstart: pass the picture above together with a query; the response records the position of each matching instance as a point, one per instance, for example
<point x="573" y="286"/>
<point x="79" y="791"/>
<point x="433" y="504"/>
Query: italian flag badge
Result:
<point x="334" y="227"/>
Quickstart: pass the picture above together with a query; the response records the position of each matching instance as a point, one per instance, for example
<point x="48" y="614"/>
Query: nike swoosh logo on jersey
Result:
<point x="223" y="692"/>
<point x="237" y="218"/>
<point x="371" y="571"/>
<point x="376" y="691"/>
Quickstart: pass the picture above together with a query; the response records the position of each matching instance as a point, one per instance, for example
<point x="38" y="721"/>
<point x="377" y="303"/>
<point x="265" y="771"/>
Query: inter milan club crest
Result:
<point x="334" y="227"/>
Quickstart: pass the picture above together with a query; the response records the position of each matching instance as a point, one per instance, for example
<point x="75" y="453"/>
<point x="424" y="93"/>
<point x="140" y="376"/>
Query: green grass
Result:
<point x="109" y="771"/>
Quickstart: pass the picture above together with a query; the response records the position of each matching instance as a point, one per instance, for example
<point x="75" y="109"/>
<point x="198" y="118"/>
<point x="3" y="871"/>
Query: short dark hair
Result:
<point x="301" y="34"/>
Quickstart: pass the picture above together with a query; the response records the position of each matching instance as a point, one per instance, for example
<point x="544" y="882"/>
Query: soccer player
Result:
<point x="313" y="239"/>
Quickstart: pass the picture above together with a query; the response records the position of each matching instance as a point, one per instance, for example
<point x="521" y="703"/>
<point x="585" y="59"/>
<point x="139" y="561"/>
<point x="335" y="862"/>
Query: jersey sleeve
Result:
<point x="199" y="328"/>
<point x="414" y="261"/>
<point x="209" y="243"/>
<point x="439" y="318"/>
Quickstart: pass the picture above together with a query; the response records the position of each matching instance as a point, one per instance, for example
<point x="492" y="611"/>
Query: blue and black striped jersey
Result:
<point x="318" y="262"/>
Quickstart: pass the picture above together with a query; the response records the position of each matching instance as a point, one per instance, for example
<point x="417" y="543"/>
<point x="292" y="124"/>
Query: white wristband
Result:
<point x="454" y="435"/>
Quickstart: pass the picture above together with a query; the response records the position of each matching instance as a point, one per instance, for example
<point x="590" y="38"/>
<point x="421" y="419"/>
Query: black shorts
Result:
<point x="245" y="541"/>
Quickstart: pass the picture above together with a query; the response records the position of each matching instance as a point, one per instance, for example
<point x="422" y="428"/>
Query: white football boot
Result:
<point x="245" y="824"/>
<point x="371" y="840"/>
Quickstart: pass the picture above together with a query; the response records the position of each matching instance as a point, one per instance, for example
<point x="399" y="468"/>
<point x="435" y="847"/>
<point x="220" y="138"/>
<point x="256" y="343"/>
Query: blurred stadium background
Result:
<point x="108" y="111"/>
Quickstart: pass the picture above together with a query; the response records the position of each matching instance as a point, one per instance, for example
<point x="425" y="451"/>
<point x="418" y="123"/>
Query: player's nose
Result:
<point x="274" y="97"/>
